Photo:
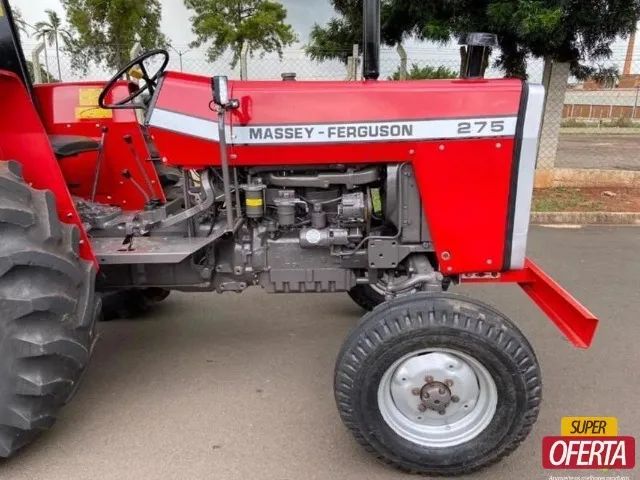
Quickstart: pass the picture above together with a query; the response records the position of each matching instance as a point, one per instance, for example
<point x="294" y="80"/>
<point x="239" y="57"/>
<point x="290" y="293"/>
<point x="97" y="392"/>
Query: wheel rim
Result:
<point x="437" y="397"/>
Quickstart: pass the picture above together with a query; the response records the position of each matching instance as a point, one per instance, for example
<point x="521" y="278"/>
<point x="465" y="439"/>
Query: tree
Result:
<point x="425" y="73"/>
<point x="606" y="77"/>
<point x="336" y="39"/>
<point x="18" y="19"/>
<point x="49" y="32"/>
<point x="228" y="24"/>
<point x="105" y="31"/>
<point x="561" y="30"/>
<point x="43" y="73"/>
<point x="22" y="29"/>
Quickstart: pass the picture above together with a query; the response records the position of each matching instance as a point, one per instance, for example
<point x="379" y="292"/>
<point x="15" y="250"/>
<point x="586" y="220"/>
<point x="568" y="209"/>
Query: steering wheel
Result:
<point x="151" y="83"/>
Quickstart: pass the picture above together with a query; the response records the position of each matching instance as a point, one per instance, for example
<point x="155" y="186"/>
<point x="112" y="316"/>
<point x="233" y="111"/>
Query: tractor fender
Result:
<point x="24" y="139"/>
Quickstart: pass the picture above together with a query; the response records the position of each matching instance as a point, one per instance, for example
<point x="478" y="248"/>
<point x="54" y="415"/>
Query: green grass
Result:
<point x="563" y="200"/>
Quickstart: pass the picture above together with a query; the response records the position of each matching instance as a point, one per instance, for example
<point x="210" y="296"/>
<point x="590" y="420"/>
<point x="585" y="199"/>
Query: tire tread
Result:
<point x="46" y="325"/>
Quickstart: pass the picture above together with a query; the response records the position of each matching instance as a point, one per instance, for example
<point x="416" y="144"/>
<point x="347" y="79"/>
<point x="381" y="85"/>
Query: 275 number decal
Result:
<point x="480" y="126"/>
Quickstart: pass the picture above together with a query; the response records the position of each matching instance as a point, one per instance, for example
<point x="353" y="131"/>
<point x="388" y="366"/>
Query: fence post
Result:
<point x="35" y="62"/>
<point x="403" y="61"/>
<point x="555" y="80"/>
<point x="349" y="69"/>
<point x="244" y="53"/>
<point x="356" y="61"/>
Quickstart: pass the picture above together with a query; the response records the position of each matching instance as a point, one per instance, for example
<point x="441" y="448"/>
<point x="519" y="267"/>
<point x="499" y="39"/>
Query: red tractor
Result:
<point x="391" y="192"/>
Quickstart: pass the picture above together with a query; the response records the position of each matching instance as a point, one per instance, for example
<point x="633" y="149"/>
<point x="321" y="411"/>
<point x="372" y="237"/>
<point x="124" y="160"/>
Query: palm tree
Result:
<point x="49" y="32"/>
<point x="19" y="21"/>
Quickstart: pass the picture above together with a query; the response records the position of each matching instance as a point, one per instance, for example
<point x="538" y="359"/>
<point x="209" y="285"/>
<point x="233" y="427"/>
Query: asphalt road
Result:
<point x="609" y="152"/>
<point x="240" y="386"/>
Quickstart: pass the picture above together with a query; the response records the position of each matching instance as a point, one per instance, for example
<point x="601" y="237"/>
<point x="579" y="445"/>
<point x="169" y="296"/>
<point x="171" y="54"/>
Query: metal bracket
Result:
<point x="385" y="254"/>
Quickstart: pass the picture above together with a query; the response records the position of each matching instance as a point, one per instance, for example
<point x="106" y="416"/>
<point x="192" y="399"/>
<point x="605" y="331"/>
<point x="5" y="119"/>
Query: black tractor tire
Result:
<point x="128" y="304"/>
<point x="48" y="310"/>
<point x="453" y="323"/>
<point x="366" y="297"/>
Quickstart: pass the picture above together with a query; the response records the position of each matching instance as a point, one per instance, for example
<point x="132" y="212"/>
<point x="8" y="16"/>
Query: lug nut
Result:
<point x="441" y="391"/>
<point x="441" y="412"/>
<point x="415" y="391"/>
<point x="428" y="379"/>
<point x="455" y="399"/>
<point x="448" y="382"/>
<point x="422" y="407"/>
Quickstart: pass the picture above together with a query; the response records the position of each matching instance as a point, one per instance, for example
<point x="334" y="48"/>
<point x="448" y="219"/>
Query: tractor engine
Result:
<point x="324" y="229"/>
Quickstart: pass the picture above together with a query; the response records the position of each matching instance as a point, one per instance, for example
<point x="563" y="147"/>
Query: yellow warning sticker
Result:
<point x="88" y="108"/>
<point x="92" y="113"/>
<point x="1" y="11"/>
<point x="88" y="97"/>
<point x="589" y="426"/>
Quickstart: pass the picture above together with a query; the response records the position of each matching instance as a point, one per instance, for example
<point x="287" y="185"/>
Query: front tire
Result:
<point x="47" y="311"/>
<point x="438" y="384"/>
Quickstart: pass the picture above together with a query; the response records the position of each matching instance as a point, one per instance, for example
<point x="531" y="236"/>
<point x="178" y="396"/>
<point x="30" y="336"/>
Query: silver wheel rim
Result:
<point x="437" y="397"/>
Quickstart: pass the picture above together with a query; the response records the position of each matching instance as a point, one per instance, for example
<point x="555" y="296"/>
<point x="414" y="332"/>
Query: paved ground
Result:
<point x="240" y="386"/>
<point x="611" y="152"/>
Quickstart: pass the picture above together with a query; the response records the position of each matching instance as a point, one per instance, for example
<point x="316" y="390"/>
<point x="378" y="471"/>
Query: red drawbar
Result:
<point x="575" y="322"/>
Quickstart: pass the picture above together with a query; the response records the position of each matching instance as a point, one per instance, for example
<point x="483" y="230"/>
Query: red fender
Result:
<point x="24" y="139"/>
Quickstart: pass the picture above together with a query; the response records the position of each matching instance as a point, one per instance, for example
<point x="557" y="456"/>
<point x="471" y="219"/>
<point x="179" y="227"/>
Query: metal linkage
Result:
<point x="129" y="141"/>
<point x="96" y="175"/>
<point x="189" y="213"/>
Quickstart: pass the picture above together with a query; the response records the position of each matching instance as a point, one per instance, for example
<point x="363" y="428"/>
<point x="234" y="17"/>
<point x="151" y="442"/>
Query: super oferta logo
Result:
<point x="589" y="443"/>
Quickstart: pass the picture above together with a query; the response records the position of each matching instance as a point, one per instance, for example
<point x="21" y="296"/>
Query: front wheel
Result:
<point x="438" y="384"/>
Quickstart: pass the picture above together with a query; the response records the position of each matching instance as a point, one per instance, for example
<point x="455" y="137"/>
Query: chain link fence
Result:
<point x="593" y="124"/>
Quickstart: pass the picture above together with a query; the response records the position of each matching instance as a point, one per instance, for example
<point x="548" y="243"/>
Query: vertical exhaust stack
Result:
<point x="371" y="39"/>
<point x="478" y="48"/>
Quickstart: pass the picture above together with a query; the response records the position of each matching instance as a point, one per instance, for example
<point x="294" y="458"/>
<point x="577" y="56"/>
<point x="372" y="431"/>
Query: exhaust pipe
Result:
<point x="371" y="40"/>
<point x="478" y="48"/>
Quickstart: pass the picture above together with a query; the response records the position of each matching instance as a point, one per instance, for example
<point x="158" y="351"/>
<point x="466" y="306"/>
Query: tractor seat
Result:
<point x="71" y="145"/>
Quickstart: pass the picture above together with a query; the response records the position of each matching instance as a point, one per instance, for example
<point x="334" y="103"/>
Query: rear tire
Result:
<point x="412" y="351"/>
<point x="48" y="310"/>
